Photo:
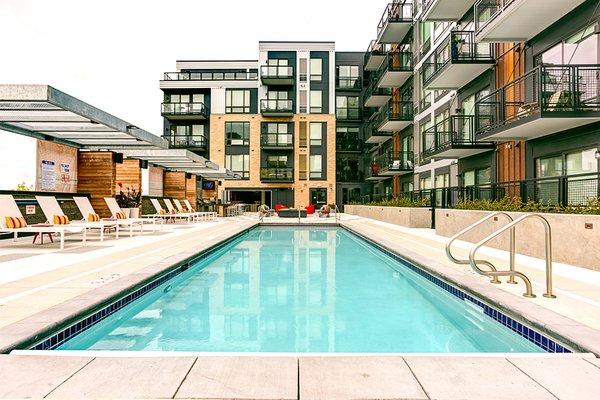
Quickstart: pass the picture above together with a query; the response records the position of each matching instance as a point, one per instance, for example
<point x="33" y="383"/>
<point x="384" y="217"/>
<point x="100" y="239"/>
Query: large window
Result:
<point x="348" y="76"/>
<point x="237" y="101"/>
<point x="316" y="133"/>
<point x="572" y="163"/>
<point x="316" y="101"/>
<point x="238" y="163"/>
<point x="581" y="48"/>
<point x="480" y="176"/>
<point x="184" y="98"/>
<point x="348" y="139"/>
<point x="277" y="161"/>
<point x="187" y="136"/>
<point x="237" y="133"/>
<point x="316" y="166"/>
<point x="277" y="134"/>
<point x="346" y="107"/>
<point x="316" y="69"/>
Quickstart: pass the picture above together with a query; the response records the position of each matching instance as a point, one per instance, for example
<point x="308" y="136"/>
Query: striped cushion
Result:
<point x="162" y="212"/>
<point x="120" y="215"/>
<point x="15" y="222"/>
<point x="93" y="218"/>
<point x="61" y="220"/>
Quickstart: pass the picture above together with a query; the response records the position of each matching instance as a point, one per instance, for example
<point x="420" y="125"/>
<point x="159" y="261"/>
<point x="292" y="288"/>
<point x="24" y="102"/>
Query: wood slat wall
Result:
<point x="190" y="189"/>
<point x="174" y="184"/>
<point x="129" y="174"/>
<point x="97" y="176"/>
<point x="510" y="157"/>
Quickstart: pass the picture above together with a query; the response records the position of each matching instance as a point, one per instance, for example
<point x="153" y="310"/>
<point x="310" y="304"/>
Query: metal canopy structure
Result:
<point x="45" y="113"/>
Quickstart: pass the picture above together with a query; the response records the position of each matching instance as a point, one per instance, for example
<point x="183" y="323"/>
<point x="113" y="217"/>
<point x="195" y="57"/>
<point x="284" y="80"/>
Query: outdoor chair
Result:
<point x="162" y="213"/>
<point x="122" y="219"/>
<point x="209" y="214"/>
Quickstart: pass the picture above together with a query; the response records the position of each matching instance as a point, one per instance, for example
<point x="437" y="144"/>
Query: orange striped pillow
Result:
<point x="61" y="220"/>
<point x="162" y="212"/>
<point x="15" y="222"/>
<point x="120" y="215"/>
<point x="93" y="217"/>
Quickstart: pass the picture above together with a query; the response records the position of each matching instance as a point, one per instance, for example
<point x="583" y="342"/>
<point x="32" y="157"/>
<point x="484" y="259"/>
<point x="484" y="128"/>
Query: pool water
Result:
<point x="300" y="290"/>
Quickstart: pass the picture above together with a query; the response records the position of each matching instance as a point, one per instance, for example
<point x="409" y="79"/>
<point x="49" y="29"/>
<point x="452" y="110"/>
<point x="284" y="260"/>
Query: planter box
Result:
<point x="410" y="217"/>
<point x="575" y="238"/>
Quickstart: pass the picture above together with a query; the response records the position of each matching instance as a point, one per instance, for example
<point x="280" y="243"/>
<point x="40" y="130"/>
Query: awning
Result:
<point x="173" y="159"/>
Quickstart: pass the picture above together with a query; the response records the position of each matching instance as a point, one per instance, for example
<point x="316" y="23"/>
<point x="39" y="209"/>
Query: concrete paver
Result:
<point x="345" y="378"/>
<point x="257" y="378"/>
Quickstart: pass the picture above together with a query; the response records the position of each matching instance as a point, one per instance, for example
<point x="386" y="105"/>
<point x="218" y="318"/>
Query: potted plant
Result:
<point x="129" y="200"/>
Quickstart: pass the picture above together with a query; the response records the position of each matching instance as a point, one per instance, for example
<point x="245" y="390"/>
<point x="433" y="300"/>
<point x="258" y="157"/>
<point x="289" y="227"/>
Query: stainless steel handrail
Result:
<point x="484" y="262"/>
<point x="338" y="217"/>
<point x="548" y="254"/>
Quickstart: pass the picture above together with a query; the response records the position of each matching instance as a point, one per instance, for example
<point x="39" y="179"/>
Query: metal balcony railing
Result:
<point x="457" y="130"/>
<point x="277" y="174"/>
<point x="277" y="72"/>
<point x="211" y="76"/>
<point x="376" y="49"/>
<point x="347" y="174"/>
<point x="400" y="11"/>
<point x="168" y="108"/>
<point x="392" y="161"/>
<point x="486" y="11"/>
<point x="277" y="140"/>
<point x="395" y="111"/>
<point x="186" y="141"/>
<point x="284" y="106"/>
<point x="348" y="83"/>
<point x="551" y="90"/>
<point x="348" y="113"/>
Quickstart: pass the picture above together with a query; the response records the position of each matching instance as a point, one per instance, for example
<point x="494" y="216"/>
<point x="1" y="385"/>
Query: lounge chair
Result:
<point x="324" y="211"/>
<point x="210" y="215"/>
<point x="118" y="214"/>
<point x="9" y="209"/>
<point x="183" y="210"/>
<point x="86" y="209"/>
<point x="170" y="214"/>
<point x="54" y="213"/>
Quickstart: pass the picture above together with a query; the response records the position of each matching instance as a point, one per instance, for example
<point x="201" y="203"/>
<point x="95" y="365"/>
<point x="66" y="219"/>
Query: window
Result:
<point x="303" y="100"/>
<point x="185" y="98"/>
<point x="237" y="101"/>
<point x="277" y="95"/>
<point x="316" y="69"/>
<point x="348" y="76"/>
<point x="238" y="163"/>
<point x="277" y="161"/>
<point x="277" y="67"/>
<point x="480" y="176"/>
<point x="316" y="166"/>
<point x="442" y="180"/>
<point x="237" y="133"/>
<point x="425" y="183"/>
<point x="316" y="133"/>
<point x="572" y="163"/>
<point x="407" y="187"/>
<point x="303" y="69"/>
<point x="348" y="139"/>
<point x="428" y="140"/>
<point x="316" y="101"/>
<point x="580" y="48"/>
<point x="277" y="134"/>
<point x="187" y="136"/>
<point x="346" y="107"/>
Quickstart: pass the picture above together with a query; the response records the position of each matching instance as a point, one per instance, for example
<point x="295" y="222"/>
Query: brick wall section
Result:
<point x="129" y="174"/>
<point x="174" y="184"/>
<point x="301" y="188"/>
<point x="97" y="176"/>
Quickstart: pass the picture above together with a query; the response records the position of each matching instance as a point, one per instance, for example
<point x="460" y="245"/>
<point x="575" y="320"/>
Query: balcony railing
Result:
<point x="347" y="83"/>
<point x="459" y="48"/>
<point x="211" y="76"/>
<point x="375" y="51"/>
<point x="277" y="106"/>
<point x="391" y="163"/>
<point x="487" y="10"/>
<point x="277" y="74"/>
<point x="349" y="144"/>
<point x="348" y="174"/>
<point x="348" y="113"/>
<point x="183" y="109"/>
<point x="457" y="131"/>
<point x="547" y="90"/>
<point x="277" y="174"/>
<point x="277" y="140"/>
<point x="186" y="141"/>
<point x="374" y="90"/>
<point x="392" y="113"/>
<point x="401" y="11"/>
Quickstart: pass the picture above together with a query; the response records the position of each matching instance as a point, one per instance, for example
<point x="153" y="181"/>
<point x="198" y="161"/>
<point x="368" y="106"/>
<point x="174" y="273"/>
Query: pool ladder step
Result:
<point x="511" y="272"/>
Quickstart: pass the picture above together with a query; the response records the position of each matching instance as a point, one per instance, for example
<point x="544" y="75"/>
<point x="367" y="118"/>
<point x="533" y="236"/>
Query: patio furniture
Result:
<point x="116" y="212"/>
<point x="324" y="211"/>
<point x="9" y="209"/>
<point x="210" y="215"/>
<point x="169" y="215"/>
<point x="310" y="209"/>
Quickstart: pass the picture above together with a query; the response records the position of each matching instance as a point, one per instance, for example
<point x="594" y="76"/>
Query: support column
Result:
<point x="97" y="176"/>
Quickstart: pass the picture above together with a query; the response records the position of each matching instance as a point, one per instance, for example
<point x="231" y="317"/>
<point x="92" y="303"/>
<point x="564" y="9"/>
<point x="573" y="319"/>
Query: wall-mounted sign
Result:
<point x="65" y="168"/>
<point x="48" y="175"/>
<point x="30" y="209"/>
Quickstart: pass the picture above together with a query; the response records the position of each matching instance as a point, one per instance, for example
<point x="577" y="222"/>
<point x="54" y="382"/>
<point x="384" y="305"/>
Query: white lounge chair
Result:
<point x="115" y="211"/>
<point x="9" y="208"/>
<point x="162" y="213"/>
<point x="173" y="211"/>
<point x="51" y="208"/>
<point x="86" y="208"/>
<point x="210" y="215"/>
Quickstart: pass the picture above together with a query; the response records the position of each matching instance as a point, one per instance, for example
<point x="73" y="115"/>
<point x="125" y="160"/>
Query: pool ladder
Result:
<point x="511" y="273"/>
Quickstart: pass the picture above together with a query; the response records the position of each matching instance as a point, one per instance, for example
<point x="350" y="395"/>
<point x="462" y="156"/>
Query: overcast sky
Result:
<point x="112" y="53"/>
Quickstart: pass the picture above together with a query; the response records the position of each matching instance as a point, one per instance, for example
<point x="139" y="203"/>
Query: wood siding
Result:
<point x="97" y="176"/>
<point x="174" y="184"/>
<point x="190" y="190"/>
<point x="129" y="174"/>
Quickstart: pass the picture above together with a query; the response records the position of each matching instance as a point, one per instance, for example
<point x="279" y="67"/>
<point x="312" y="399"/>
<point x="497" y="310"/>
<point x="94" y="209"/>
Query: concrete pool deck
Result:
<point x="41" y="286"/>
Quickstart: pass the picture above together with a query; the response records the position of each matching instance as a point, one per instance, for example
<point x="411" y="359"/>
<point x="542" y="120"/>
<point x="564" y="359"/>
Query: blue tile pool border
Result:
<point x="534" y="336"/>
<point x="64" y="334"/>
<point x="57" y="338"/>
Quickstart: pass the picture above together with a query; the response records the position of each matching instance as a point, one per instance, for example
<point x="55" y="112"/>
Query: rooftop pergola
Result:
<point x="45" y="113"/>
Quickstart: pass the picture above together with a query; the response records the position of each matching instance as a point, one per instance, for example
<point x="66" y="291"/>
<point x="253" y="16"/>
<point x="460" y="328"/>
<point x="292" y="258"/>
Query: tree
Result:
<point x="24" y="187"/>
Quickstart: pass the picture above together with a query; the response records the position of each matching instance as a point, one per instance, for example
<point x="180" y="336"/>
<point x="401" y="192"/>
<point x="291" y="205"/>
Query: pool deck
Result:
<point x="41" y="286"/>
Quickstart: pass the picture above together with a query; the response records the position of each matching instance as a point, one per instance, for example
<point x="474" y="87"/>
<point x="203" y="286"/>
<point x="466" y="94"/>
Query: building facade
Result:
<point x="449" y="94"/>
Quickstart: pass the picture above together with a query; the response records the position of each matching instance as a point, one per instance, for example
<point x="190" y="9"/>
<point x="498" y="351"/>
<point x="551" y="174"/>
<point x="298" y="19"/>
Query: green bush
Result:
<point x="398" y="202"/>
<point x="592" y="206"/>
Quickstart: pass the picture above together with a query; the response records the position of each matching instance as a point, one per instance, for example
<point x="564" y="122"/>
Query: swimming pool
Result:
<point x="278" y="289"/>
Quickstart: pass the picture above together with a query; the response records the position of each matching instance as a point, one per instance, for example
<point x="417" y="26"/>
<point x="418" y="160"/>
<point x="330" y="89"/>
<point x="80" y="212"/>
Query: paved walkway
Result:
<point x="289" y="377"/>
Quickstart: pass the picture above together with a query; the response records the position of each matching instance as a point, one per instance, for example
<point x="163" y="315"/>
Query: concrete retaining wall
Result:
<point x="575" y="238"/>
<point x="403" y="216"/>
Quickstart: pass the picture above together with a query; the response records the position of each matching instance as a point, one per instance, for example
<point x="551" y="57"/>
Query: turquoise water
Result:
<point x="300" y="290"/>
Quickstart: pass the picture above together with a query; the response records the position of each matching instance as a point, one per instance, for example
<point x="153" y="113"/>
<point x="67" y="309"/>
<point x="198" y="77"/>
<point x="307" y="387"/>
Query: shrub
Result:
<point x="592" y="206"/>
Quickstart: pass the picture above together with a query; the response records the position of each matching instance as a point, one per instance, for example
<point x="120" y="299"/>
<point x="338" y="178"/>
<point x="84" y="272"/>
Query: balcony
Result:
<point x="277" y="107"/>
<point x="390" y="164"/>
<point x="277" y="175"/>
<point x="192" y="142"/>
<point x="546" y="100"/>
<point x="395" y="71"/>
<point x="396" y="21"/>
<point x="374" y="136"/>
<point x="457" y="61"/>
<point x="203" y="79"/>
<point x="183" y="111"/>
<point x="277" y="75"/>
<point x="453" y="137"/>
<point x="394" y="116"/>
<point x="277" y="141"/>
<point x="350" y="114"/>
<point x="375" y="55"/>
<point x="376" y="96"/>
<point x="518" y="20"/>
<point x="445" y="10"/>
<point x="348" y="83"/>
<point x="348" y="144"/>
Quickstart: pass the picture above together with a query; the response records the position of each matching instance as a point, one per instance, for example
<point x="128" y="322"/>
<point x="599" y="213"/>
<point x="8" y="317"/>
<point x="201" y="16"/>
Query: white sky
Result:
<point x="112" y="53"/>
